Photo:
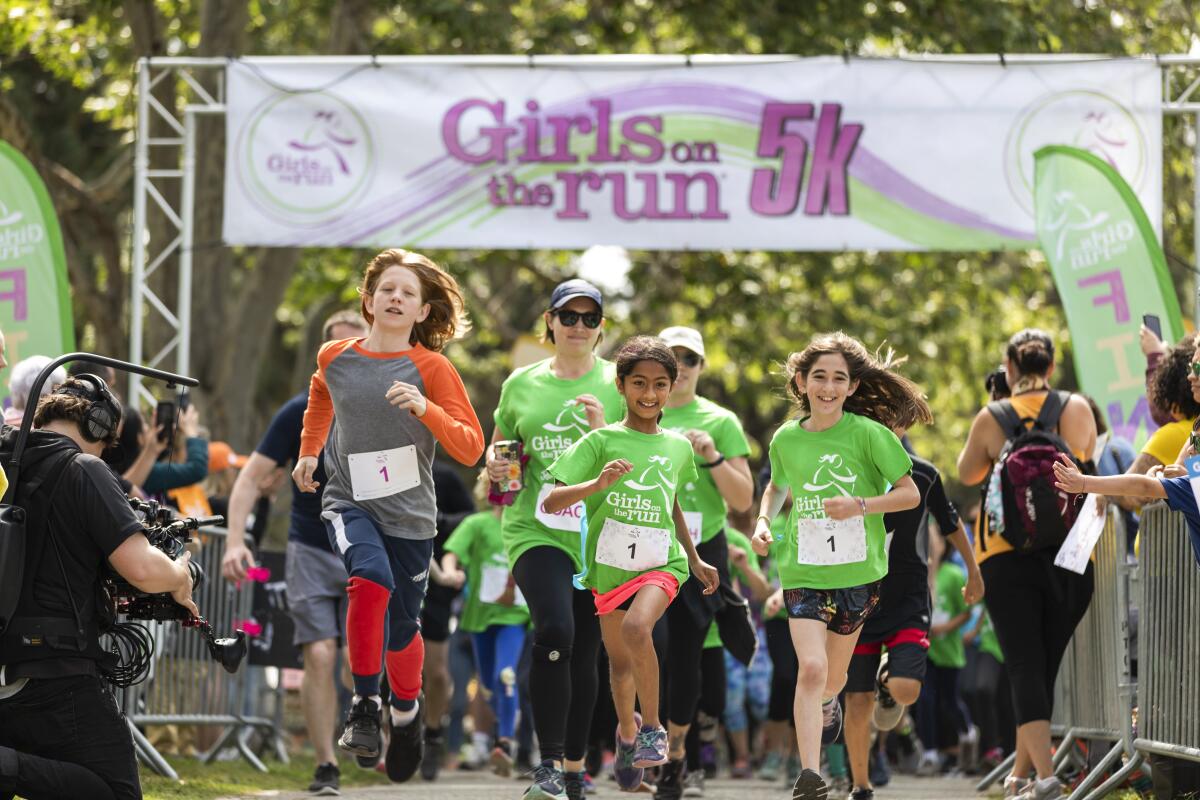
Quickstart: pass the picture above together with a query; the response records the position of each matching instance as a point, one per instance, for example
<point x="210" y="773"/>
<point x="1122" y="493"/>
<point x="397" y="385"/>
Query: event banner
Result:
<point x="35" y="305"/>
<point x="1110" y="270"/>
<point x="777" y="154"/>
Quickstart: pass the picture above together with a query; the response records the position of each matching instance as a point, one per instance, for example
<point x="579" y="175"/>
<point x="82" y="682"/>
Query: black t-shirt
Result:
<point x="908" y="569"/>
<point x="91" y="518"/>
<point x="281" y="444"/>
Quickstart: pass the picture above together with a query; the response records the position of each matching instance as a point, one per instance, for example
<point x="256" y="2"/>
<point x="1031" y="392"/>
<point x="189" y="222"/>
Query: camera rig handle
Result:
<point x="227" y="652"/>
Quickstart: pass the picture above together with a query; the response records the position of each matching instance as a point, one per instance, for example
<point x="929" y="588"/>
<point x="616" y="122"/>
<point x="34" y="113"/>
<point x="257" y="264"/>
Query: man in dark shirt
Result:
<point x="316" y="576"/>
<point x="61" y="734"/>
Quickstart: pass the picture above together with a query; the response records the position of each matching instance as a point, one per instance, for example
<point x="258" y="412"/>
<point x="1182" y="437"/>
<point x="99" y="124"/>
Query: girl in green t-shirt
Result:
<point x="637" y="550"/>
<point x="844" y="469"/>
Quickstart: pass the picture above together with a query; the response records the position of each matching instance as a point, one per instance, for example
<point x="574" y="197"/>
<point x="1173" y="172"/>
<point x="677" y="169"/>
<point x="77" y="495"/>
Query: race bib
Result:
<point x="493" y="582"/>
<point x="632" y="547"/>
<point x="565" y="520"/>
<point x="384" y="472"/>
<point x="823" y="542"/>
<point x="695" y="524"/>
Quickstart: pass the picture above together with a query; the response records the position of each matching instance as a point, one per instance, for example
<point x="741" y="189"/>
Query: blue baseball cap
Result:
<point x="569" y="290"/>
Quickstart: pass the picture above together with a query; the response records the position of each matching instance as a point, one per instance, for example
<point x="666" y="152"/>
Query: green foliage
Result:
<point x="199" y="781"/>
<point x="72" y="61"/>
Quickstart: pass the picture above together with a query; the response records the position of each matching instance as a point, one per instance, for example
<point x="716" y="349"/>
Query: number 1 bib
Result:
<point x="383" y="472"/>
<point x="824" y="542"/>
<point x="632" y="547"/>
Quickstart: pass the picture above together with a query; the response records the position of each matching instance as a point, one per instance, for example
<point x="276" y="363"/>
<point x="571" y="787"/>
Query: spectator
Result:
<point x="20" y="384"/>
<point x="154" y="475"/>
<point x="1170" y="389"/>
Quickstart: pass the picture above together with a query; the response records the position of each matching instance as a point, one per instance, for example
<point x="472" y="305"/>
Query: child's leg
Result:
<point x="484" y="645"/>
<point x="620" y="670"/>
<point x="510" y="639"/>
<point x="406" y="649"/>
<point x="370" y="588"/>
<point x="838" y="651"/>
<point x="808" y="640"/>
<point x="637" y="629"/>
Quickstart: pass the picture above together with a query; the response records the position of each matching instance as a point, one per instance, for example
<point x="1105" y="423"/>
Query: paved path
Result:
<point x="468" y="786"/>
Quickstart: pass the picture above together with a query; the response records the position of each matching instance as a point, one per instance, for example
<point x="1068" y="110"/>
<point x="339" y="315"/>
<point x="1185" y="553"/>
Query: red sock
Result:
<point x="365" y="615"/>
<point x="404" y="669"/>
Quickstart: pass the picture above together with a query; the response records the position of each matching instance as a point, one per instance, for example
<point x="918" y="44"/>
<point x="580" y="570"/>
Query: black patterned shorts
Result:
<point x="842" y="610"/>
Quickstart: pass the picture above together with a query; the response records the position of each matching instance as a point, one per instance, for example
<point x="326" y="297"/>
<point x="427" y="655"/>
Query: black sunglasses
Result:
<point x="591" y="319"/>
<point x="688" y="358"/>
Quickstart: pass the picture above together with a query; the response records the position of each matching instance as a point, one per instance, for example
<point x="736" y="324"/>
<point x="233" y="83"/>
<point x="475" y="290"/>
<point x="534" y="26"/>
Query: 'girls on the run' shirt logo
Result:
<point x="639" y="508"/>
<point x="566" y="429"/>
<point x="305" y="158"/>
<point x="831" y="472"/>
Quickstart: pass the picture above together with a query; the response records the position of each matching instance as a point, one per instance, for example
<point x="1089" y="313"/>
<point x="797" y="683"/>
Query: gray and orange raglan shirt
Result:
<point x="349" y="413"/>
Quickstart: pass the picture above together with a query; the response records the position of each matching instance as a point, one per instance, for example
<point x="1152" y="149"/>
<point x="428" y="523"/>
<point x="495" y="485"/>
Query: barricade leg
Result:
<point x="996" y="774"/>
<point x="1117" y="778"/>
<point x="1095" y="775"/>
<point x="149" y="755"/>
<point x="1064" y="751"/>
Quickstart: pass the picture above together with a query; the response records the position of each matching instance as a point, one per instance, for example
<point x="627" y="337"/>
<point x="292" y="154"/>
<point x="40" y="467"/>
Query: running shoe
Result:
<point x="878" y="770"/>
<point x="501" y="760"/>
<point x="325" y="781"/>
<point x="575" y="784"/>
<point x="1046" y="789"/>
<point x="435" y="753"/>
<point x="740" y="769"/>
<point x="547" y="783"/>
<point x="931" y="764"/>
<point x="651" y="747"/>
<point x="670" y="780"/>
<point x="708" y="759"/>
<point x="693" y="784"/>
<point x="1014" y="786"/>
<point x="968" y="750"/>
<point x="770" y="767"/>
<point x="862" y="794"/>
<point x="629" y="777"/>
<point x="361" y="735"/>
<point x="888" y="712"/>
<point x="810" y="786"/>
<point x="406" y="748"/>
<point x="831" y="720"/>
<point x="839" y="785"/>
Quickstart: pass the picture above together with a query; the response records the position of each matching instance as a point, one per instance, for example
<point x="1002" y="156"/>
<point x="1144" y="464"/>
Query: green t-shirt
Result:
<point x="988" y="643"/>
<point x="480" y="549"/>
<point x="700" y="499"/>
<point x="630" y="528"/>
<point x="947" y="651"/>
<point x="538" y="409"/>
<point x="736" y="539"/>
<point x="857" y="457"/>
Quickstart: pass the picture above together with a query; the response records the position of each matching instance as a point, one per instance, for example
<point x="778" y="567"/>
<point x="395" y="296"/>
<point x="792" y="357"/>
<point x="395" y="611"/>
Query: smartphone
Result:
<point x="1152" y="322"/>
<point x="164" y="417"/>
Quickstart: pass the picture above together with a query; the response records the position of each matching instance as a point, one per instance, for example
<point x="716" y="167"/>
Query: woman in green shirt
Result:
<point x="547" y="407"/>
<point x="844" y="469"/>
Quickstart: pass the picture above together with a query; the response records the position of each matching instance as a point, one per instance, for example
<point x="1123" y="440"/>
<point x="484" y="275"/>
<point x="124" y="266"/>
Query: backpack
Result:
<point x="1023" y="504"/>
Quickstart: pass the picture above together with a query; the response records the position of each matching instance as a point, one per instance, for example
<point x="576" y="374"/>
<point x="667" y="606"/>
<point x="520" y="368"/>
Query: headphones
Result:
<point x="103" y="415"/>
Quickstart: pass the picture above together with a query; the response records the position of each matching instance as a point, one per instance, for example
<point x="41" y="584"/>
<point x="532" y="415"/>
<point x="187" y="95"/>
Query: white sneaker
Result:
<point x="931" y="764"/>
<point x="693" y="784"/>
<point x="1014" y="786"/>
<point x="968" y="749"/>
<point x="1046" y="789"/>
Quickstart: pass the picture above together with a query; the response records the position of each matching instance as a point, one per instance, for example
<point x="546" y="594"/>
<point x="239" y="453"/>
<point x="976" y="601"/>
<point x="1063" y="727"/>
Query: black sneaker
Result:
<point x="575" y="784"/>
<point x="435" y="752"/>
<point x="670" y="781"/>
<point x="361" y="735"/>
<point x="405" y="749"/>
<point x="325" y="781"/>
<point x="878" y="770"/>
<point x="862" y="794"/>
<point x="831" y="721"/>
<point x="810" y="786"/>
<point x="548" y="783"/>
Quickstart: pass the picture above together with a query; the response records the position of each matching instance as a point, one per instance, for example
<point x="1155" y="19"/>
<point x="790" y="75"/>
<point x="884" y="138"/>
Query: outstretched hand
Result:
<point x="1067" y="476"/>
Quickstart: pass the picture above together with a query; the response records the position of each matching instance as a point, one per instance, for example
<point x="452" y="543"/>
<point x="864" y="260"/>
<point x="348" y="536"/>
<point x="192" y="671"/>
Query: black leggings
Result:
<point x="688" y="619"/>
<point x="785" y="670"/>
<point x="712" y="704"/>
<point x="1034" y="607"/>
<point x="985" y="687"/>
<point x="940" y="702"/>
<point x="566" y="642"/>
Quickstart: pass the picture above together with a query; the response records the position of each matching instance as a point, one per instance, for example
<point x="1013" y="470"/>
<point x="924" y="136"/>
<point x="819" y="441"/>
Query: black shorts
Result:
<point x="908" y="652"/>
<point x="842" y="610"/>
<point x="435" y="613"/>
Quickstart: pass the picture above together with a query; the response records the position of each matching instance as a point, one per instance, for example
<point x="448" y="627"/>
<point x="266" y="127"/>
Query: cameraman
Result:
<point x="61" y="734"/>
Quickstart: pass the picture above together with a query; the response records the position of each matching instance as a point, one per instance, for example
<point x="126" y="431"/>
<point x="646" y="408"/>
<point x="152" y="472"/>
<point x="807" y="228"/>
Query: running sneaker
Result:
<point x="548" y="783"/>
<point x="1046" y="789"/>
<point x="770" y="767"/>
<point x="810" y="786"/>
<point x="1014" y="786"/>
<point x="405" y="748"/>
<point x="670" y="780"/>
<point x="831" y="720"/>
<point x="862" y="794"/>
<point x="589" y="785"/>
<point x="740" y="769"/>
<point x="708" y="759"/>
<point x="435" y="753"/>
<point x="839" y="785"/>
<point x="992" y="759"/>
<point x="693" y="784"/>
<point x="361" y="735"/>
<point x="651" y="747"/>
<point x="501" y="760"/>
<point x="878" y="771"/>
<point x="888" y="712"/>
<point x="574" y="783"/>
<point x="325" y="781"/>
<point x="629" y="777"/>
<point x="931" y="764"/>
<point x="968" y="749"/>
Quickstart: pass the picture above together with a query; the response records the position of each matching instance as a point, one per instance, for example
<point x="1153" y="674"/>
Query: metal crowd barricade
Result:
<point x="1094" y="694"/>
<point x="185" y="685"/>
<point x="1168" y="638"/>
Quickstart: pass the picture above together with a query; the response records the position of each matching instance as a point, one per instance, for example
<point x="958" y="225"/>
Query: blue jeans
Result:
<point x="747" y="687"/>
<point x="497" y="651"/>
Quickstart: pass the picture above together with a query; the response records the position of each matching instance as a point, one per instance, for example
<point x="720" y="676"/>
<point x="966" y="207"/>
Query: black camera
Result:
<point x="171" y="536"/>
<point x="997" y="383"/>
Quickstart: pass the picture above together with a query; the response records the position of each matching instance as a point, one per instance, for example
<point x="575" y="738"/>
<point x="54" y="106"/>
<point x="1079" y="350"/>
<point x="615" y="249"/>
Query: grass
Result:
<point x="239" y="779"/>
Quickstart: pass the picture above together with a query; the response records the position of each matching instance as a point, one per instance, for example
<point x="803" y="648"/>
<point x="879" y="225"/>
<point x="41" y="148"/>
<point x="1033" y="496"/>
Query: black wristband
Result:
<point x="720" y="460"/>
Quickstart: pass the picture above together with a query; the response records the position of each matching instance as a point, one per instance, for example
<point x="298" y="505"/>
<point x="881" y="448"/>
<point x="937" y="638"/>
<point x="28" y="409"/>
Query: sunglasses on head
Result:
<point x="688" y="358"/>
<point x="591" y="319"/>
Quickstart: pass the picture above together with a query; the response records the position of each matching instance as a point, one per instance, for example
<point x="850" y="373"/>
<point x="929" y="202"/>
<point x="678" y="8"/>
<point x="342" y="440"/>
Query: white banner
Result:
<point x="809" y="154"/>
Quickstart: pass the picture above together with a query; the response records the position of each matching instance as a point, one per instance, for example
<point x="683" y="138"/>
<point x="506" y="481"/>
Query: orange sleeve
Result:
<point x="449" y="415"/>
<point x="318" y="416"/>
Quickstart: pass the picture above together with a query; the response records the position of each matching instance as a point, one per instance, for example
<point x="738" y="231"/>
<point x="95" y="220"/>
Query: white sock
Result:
<point x="376" y="699"/>
<point x="402" y="718"/>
